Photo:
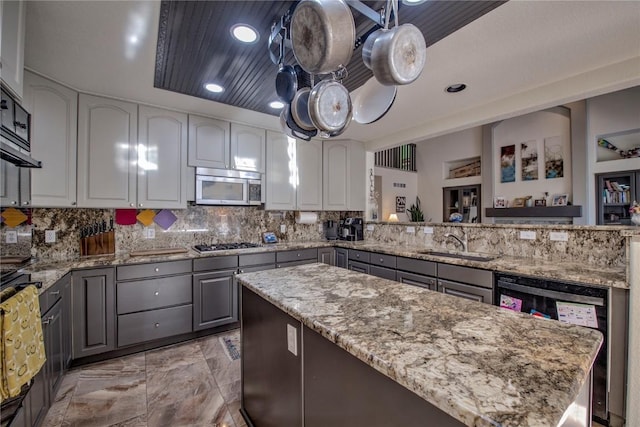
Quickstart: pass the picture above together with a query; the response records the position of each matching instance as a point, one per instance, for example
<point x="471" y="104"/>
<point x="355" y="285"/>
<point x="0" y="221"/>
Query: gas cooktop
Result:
<point x="225" y="246"/>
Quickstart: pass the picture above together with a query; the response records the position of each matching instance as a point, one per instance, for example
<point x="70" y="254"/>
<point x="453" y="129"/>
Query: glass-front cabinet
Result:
<point x="461" y="204"/>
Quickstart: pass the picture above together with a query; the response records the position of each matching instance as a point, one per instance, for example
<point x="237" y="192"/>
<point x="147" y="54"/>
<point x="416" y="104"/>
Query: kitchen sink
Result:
<point x="458" y="255"/>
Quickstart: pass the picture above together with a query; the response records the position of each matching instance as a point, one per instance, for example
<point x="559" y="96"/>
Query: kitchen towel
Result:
<point x="22" y="353"/>
<point x="126" y="216"/>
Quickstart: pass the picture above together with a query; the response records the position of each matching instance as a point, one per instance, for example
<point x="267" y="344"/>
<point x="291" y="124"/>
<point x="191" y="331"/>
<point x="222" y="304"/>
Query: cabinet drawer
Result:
<point x="417" y="280"/>
<point x="154" y="293"/>
<point x="257" y="259"/>
<point x="427" y="268"/>
<point x="360" y="267"/>
<point x="299" y="255"/>
<point x="215" y="263"/>
<point x="385" y="273"/>
<point x="473" y="276"/>
<point x="49" y="297"/>
<point x="474" y="293"/>
<point x="294" y="263"/>
<point x="361" y="256"/>
<point x="151" y="325"/>
<point x="155" y="269"/>
<point x="383" y="260"/>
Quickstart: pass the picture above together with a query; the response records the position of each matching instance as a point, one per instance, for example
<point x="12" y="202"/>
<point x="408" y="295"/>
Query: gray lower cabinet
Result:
<point x="327" y="256"/>
<point x="271" y="378"/>
<point x="154" y="301"/>
<point x="466" y="282"/>
<point x="342" y="257"/>
<point x="94" y="311"/>
<point x="296" y="257"/>
<point x="417" y="272"/>
<point x="430" y="283"/>
<point x="256" y="262"/>
<point x="215" y="299"/>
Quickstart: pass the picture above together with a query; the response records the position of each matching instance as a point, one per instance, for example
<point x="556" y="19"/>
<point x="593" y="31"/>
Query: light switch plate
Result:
<point x="411" y="229"/>
<point x="559" y="236"/>
<point x="427" y="230"/>
<point x="370" y="227"/>
<point x="528" y="235"/>
<point x="292" y="339"/>
<point x="11" y="236"/>
<point x="149" y="232"/>
<point x="49" y="236"/>
<point x="320" y="228"/>
<point x="283" y="228"/>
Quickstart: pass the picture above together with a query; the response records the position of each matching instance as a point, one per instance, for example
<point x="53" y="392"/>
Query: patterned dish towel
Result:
<point x="22" y="351"/>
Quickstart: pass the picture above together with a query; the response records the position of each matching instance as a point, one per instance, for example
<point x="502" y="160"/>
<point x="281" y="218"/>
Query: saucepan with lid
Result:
<point x="395" y="55"/>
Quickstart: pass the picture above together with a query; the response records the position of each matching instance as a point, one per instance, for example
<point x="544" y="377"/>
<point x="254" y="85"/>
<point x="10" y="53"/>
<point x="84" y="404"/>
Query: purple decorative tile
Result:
<point x="165" y="218"/>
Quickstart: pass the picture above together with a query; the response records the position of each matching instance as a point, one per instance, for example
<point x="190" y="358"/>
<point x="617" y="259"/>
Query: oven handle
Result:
<point x="582" y="299"/>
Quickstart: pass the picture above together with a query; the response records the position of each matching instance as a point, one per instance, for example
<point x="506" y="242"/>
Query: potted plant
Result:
<point x="416" y="212"/>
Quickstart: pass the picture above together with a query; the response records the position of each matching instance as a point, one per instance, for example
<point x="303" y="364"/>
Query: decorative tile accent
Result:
<point x="165" y="219"/>
<point x="13" y="217"/>
<point x="146" y="217"/>
<point x="125" y="216"/>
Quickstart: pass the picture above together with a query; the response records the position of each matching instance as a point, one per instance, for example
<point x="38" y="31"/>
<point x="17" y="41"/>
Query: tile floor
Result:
<point x="190" y="384"/>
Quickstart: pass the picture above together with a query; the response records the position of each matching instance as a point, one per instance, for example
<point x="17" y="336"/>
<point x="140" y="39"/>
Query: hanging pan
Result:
<point x="373" y="101"/>
<point x="300" y="109"/>
<point x="330" y="107"/>
<point x="322" y="35"/>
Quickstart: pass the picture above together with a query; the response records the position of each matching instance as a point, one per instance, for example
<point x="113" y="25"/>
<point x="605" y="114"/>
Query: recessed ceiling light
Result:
<point x="212" y="87"/>
<point x="458" y="87"/>
<point x="245" y="33"/>
<point x="276" y="105"/>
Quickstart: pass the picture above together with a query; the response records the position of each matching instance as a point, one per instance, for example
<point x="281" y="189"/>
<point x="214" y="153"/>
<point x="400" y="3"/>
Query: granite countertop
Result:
<point x="50" y="272"/>
<point x="483" y="365"/>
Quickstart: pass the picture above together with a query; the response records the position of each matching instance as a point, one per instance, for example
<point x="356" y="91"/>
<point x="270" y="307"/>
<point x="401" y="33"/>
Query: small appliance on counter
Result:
<point x="351" y="229"/>
<point x="330" y="230"/>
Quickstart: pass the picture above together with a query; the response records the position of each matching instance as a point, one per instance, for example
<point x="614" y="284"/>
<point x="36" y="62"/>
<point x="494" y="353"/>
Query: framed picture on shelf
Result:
<point x="518" y="202"/>
<point x="540" y="202"/>
<point x="401" y="204"/>
<point x="499" y="202"/>
<point x="560" y="200"/>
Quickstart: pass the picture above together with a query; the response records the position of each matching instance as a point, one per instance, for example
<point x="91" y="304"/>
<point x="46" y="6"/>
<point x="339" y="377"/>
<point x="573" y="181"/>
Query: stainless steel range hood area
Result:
<point x="17" y="157"/>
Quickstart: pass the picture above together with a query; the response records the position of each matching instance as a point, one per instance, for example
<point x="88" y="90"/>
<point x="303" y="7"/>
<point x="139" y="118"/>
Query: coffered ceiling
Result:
<point x="195" y="45"/>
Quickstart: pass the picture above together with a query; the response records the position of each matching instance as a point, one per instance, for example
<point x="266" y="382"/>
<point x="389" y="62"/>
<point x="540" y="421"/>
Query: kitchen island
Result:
<point x="459" y="362"/>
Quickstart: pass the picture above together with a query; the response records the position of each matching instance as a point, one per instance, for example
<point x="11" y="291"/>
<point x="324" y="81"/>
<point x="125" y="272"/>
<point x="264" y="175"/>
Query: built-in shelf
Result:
<point x="537" y="211"/>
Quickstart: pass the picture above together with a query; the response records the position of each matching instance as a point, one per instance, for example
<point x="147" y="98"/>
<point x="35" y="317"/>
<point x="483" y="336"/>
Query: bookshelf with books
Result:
<point x="615" y="194"/>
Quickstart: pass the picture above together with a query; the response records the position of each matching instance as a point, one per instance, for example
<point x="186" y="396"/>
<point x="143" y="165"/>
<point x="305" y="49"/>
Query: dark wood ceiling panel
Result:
<point x="195" y="45"/>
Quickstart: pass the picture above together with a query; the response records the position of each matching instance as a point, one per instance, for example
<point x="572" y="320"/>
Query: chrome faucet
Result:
<point x="463" y="241"/>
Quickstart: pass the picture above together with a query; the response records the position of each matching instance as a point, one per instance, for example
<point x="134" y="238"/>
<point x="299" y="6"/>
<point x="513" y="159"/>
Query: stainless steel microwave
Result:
<point x="228" y="187"/>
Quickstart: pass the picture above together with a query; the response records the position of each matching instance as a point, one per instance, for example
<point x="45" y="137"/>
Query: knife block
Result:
<point x="99" y="244"/>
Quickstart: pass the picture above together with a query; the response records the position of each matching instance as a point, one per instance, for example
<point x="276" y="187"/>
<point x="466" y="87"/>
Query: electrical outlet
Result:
<point x="559" y="236"/>
<point x="320" y="228"/>
<point x="11" y="237"/>
<point x="223" y="220"/>
<point x="528" y="235"/>
<point x="49" y="236"/>
<point x="149" y="232"/>
<point x="427" y="230"/>
<point x="292" y="339"/>
<point x="370" y="227"/>
<point x="411" y="229"/>
<point x="283" y="228"/>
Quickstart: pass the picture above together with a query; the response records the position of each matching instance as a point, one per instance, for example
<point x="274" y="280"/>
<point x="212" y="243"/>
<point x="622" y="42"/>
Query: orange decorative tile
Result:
<point x="146" y="217"/>
<point x="13" y="217"/>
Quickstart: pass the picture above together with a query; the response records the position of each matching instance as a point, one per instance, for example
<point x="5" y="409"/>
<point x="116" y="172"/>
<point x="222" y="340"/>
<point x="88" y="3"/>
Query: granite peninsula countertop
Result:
<point x="51" y="271"/>
<point x="483" y="365"/>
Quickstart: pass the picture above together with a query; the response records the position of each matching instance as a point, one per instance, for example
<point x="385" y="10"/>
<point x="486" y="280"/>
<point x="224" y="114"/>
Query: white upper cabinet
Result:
<point x="344" y="167"/>
<point x="281" y="174"/>
<point x="309" y="161"/>
<point x="13" y="15"/>
<point x="247" y="148"/>
<point x="54" y="115"/>
<point x="209" y="142"/>
<point x="162" y="159"/>
<point x="107" y="146"/>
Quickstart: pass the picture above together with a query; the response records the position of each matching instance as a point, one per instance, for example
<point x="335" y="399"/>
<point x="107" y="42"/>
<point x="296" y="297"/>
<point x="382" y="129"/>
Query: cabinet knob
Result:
<point x="131" y="204"/>
<point x="298" y="254"/>
<point x="157" y="325"/>
<point x="73" y="203"/>
<point x="13" y="202"/>
<point x="381" y="260"/>
<point x="140" y="205"/>
<point x="156" y="269"/>
<point x="241" y="271"/>
<point x="25" y="203"/>
<point x="157" y="293"/>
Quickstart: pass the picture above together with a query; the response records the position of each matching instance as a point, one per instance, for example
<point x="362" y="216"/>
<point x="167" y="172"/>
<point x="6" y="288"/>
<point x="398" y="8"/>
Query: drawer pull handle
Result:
<point x="157" y="293"/>
<point x="56" y="293"/>
<point x="157" y="325"/>
<point x="156" y="269"/>
<point x="47" y="320"/>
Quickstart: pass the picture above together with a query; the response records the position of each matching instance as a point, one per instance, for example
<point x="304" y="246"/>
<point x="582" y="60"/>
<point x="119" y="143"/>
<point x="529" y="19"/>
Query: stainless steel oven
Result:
<point x="604" y="309"/>
<point x="228" y="187"/>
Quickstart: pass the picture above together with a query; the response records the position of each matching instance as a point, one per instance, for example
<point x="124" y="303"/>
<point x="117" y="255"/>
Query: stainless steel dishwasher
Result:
<point x="465" y="282"/>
